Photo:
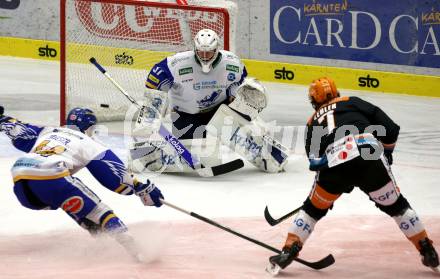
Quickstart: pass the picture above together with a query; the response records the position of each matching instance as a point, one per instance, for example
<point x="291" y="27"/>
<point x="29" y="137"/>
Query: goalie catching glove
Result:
<point x="149" y="194"/>
<point x="250" y="98"/>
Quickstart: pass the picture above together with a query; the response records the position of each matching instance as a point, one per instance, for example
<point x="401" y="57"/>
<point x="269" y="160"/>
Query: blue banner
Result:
<point x="402" y="32"/>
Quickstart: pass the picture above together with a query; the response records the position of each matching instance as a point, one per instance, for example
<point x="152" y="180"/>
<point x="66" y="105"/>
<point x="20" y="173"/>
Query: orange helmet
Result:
<point x="321" y="91"/>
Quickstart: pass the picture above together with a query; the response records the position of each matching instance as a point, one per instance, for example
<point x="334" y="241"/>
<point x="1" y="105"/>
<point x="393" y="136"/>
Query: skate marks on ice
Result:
<point x="70" y="254"/>
<point x="364" y="247"/>
<point x="424" y="142"/>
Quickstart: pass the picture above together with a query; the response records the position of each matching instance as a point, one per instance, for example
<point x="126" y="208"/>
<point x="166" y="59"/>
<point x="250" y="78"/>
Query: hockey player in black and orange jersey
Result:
<point x="349" y="143"/>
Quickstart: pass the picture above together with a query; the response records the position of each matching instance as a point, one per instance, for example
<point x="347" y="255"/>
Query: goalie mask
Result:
<point x="206" y="48"/>
<point x="321" y="91"/>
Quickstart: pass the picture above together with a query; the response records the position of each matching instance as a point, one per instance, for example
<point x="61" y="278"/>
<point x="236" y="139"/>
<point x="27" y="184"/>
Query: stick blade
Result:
<point x="269" y="218"/>
<point x="323" y="263"/>
<point x="220" y="169"/>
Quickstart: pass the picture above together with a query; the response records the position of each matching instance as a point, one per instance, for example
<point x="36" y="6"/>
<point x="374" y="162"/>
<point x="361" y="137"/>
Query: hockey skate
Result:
<point x="284" y="259"/>
<point x="429" y="255"/>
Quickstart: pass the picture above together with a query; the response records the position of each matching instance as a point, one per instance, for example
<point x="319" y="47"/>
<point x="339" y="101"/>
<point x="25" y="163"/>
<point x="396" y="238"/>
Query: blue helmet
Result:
<point x="82" y="118"/>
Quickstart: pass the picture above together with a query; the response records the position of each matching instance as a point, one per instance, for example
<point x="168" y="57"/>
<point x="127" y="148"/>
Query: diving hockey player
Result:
<point x="207" y="86"/>
<point x="43" y="178"/>
<point x="350" y="143"/>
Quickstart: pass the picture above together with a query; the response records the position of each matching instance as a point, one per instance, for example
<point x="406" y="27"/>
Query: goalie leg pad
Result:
<point x="159" y="156"/>
<point x="155" y="156"/>
<point x="247" y="139"/>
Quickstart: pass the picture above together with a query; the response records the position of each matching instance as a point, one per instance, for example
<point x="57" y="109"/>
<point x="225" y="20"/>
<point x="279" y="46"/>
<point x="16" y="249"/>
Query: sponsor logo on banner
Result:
<point x="46" y="51"/>
<point x="402" y="32"/>
<point x="124" y="59"/>
<point x="369" y="82"/>
<point x="9" y="4"/>
<point x="143" y="24"/>
<point x="284" y="74"/>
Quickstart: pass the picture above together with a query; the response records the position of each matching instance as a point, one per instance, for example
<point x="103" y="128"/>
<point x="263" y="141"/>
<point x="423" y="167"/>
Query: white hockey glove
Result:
<point x="149" y="194"/>
<point x="250" y="98"/>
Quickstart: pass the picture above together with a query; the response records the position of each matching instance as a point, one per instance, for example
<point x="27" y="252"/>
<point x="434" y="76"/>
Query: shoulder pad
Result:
<point x="179" y="58"/>
<point x="227" y="55"/>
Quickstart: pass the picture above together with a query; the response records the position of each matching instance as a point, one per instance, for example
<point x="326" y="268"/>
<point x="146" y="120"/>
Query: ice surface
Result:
<point x="365" y="243"/>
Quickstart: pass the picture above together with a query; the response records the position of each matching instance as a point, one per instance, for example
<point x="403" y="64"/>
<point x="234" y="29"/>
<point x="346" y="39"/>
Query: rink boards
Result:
<point x="354" y="79"/>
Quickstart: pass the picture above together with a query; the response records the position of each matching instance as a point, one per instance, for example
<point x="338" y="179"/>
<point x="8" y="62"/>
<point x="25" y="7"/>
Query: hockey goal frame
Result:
<point x="63" y="89"/>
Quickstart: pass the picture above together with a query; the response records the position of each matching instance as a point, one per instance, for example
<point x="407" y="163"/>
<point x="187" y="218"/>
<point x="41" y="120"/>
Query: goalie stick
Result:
<point x="323" y="263"/>
<point x="183" y="152"/>
<point x="273" y="221"/>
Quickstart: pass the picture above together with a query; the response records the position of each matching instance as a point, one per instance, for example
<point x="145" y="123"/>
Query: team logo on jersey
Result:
<point x="73" y="204"/>
<point x="185" y="71"/>
<point x="209" y="100"/>
<point x="232" y="68"/>
<point x="231" y="76"/>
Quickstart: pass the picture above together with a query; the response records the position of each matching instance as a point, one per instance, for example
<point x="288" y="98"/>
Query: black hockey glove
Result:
<point x="388" y="153"/>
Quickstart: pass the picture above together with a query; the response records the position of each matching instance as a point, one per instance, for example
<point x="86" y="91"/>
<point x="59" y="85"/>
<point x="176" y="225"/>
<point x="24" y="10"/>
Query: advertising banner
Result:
<point x="400" y="32"/>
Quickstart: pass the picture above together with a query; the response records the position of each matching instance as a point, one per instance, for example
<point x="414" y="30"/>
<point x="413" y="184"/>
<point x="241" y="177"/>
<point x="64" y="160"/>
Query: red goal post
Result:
<point x="128" y="37"/>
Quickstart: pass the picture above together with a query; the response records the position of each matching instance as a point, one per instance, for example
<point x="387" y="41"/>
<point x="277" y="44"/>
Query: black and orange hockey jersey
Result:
<point x="343" y="116"/>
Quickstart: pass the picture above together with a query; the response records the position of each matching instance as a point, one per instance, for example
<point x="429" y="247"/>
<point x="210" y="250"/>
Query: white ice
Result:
<point x="29" y="90"/>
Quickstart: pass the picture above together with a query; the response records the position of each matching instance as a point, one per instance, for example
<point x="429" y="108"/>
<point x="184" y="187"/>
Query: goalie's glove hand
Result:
<point x="149" y="194"/>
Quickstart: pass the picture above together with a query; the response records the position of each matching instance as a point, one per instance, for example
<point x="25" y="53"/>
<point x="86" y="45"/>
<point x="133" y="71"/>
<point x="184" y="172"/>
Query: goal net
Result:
<point x="127" y="37"/>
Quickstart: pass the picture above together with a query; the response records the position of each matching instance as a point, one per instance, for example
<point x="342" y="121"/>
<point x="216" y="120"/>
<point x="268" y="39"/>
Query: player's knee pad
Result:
<point x="303" y="225"/>
<point x="395" y="209"/>
<point x="389" y="200"/>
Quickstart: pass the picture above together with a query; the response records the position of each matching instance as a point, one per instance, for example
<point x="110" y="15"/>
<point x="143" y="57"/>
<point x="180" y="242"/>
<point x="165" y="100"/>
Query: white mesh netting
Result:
<point x="127" y="37"/>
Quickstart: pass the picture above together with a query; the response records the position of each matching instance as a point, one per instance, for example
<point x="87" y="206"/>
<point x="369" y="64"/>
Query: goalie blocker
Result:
<point x="242" y="131"/>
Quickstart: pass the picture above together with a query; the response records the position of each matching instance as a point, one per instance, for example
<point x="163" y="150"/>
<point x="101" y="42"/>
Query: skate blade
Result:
<point x="273" y="269"/>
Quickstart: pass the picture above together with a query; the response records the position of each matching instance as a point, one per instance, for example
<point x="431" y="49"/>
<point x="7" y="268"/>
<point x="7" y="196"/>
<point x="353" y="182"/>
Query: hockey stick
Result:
<point x="273" y="221"/>
<point x="323" y="263"/>
<point x="183" y="152"/>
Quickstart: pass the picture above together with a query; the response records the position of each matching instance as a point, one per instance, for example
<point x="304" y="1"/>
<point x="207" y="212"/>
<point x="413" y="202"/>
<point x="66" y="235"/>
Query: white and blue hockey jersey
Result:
<point x="192" y="91"/>
<point x="54" y="152"/>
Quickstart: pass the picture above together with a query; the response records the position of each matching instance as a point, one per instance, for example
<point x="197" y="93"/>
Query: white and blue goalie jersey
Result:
<point x="192" y="91"/>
